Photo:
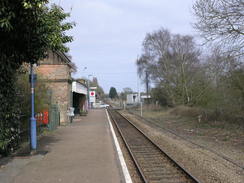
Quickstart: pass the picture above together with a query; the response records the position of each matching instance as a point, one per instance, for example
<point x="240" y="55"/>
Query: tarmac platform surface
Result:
<point x="82" y="152"/>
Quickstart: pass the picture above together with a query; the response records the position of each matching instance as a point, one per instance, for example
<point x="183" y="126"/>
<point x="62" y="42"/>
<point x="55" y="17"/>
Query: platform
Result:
<point x="81" y="152"/>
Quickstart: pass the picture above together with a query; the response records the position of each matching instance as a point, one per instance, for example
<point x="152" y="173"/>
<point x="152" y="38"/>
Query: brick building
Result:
<point x="56" y="70"/>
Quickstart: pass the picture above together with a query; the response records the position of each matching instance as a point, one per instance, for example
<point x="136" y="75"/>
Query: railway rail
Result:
<point x="153" y="164"/>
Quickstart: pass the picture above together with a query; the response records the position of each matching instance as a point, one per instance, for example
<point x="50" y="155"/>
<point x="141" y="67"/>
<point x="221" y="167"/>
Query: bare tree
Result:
<point x="170" y="61"/>
<point x="222" y="22"/>
<point x="127" y="90"/>
<point x="153" y="64"/>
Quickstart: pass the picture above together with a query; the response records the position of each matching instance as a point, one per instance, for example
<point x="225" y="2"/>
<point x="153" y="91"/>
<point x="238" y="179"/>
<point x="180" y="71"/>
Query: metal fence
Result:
<point x="54" y="117"/>
<point x="53" y="123"/>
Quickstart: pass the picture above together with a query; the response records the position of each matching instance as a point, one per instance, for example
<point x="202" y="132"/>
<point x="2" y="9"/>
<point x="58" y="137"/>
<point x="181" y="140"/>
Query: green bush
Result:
<point x="9" y="108"/>
<point x="18" y="109"/>
<point x="42" y="96"/>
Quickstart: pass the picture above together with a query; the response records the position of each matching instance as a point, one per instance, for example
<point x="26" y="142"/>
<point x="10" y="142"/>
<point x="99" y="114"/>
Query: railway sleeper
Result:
<point x="142" y="149"/>
<point x="151" y="164"/>
<point x="167" y="179"/>
<point x="162" y="171"/>
<point x="151" y="160"/>
<point x="152" y="155"/>
<point x="159" y="168"/>
<point x="149" y="152"/>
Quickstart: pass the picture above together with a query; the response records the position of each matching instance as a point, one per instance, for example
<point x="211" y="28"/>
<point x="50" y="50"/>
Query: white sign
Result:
<point x="92" y="96"/>
<point x="93" y="88"/>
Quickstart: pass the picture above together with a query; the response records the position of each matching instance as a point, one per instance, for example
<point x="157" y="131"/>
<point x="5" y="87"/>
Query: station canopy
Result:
<point x="79" y="88"/>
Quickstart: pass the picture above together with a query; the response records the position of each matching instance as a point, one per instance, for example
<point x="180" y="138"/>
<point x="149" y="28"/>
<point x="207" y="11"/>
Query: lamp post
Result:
<point x="33" y="141"/>
<point x="88" y="90"/>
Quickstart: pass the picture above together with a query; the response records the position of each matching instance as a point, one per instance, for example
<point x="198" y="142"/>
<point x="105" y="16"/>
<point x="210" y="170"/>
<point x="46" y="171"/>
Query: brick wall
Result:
<point x="61" y="96"/>
<point x="57" y="75"/>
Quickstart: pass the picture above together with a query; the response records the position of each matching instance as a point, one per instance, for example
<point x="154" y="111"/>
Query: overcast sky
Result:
<point x="109" y="33"/>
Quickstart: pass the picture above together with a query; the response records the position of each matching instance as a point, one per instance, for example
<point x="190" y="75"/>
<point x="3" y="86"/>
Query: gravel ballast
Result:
<point x="203" y="164"/>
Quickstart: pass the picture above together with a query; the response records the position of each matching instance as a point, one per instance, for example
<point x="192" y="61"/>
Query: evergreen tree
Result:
<point x="113" y="93"/>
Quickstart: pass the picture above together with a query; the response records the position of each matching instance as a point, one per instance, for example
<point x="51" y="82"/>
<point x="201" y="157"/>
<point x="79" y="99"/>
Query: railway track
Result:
<point x="152" y="122"/>
<point x="154" y="165"/>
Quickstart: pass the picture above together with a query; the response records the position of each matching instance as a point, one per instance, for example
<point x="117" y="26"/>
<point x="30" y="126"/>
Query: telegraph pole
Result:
<point x="147" y="85"/>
